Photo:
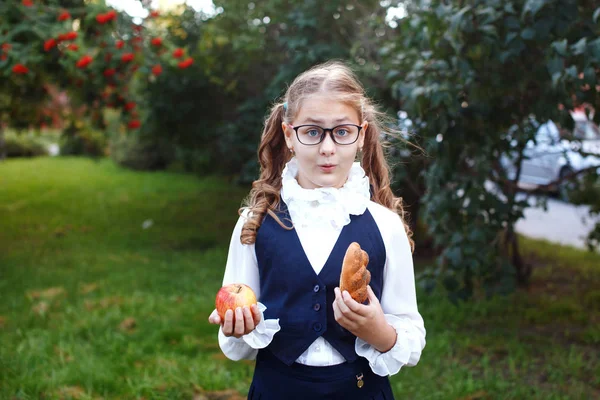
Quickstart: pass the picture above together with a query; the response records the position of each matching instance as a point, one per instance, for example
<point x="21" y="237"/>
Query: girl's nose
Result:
<point x="327" y="146"/>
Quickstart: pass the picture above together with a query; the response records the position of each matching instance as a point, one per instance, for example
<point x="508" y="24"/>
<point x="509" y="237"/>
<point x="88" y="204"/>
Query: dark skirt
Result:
<point x="274" y="380"/>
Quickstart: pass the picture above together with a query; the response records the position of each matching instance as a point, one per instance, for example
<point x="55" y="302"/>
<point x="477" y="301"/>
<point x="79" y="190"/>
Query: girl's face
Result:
<point x="326" y="164"/>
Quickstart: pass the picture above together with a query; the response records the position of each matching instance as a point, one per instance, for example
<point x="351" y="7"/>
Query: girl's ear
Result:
<point x="288" y="134"/>
<point x="361" y="135"/>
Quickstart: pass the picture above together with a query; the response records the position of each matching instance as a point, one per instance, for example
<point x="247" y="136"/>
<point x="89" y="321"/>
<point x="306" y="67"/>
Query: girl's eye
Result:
<point x="341" y="132"/>
<point x="313" y="133"/>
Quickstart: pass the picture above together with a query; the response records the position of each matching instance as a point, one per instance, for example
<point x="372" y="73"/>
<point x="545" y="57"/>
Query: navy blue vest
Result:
<point x="301" y="299"/>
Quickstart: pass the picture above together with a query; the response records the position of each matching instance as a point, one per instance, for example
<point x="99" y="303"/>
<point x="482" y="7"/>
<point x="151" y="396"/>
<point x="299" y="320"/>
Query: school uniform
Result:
<point x="301" y="352"/>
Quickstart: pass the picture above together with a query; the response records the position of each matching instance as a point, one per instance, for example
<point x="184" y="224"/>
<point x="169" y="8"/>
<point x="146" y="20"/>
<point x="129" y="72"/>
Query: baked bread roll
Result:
<point x="355" y="277"/>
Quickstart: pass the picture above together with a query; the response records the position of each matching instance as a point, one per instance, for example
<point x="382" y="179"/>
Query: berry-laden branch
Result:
<point x="94" y="52"/>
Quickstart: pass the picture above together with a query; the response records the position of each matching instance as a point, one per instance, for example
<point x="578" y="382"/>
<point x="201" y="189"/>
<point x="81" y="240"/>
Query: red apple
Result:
<point x="232" y="296"/>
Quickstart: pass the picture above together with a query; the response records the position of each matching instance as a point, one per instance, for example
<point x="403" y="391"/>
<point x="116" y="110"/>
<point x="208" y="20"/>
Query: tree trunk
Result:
<point x="511" y="243"/>
<point x="523" y="270"/>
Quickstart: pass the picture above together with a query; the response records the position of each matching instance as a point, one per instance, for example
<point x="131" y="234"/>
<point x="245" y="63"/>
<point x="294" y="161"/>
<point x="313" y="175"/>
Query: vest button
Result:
<point x="316" y="288"/>
<point x="317" y="307"/>
<point x="317" y="327"/>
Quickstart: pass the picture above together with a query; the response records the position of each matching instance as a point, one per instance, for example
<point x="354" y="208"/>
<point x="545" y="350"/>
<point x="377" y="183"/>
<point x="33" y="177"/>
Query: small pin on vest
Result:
<point x="359" y="382"/>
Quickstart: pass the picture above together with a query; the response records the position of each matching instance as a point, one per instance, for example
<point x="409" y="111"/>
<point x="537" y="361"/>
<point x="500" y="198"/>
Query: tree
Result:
<point x="254" y="49"/>
<point x="477" y="78"/>
<point x="93" y="51"/>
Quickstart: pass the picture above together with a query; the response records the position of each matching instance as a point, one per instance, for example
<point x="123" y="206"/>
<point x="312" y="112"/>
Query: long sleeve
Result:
<point x="398" y="300"/>
<point x="242" y="267"/>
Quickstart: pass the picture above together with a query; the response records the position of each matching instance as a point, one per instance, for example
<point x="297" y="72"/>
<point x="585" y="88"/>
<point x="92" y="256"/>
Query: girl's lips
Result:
<point x="327" y="167"/>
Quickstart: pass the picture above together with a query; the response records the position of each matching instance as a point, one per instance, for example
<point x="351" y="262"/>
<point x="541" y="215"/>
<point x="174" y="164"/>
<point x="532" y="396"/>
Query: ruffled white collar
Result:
<point x="330" y="207"/>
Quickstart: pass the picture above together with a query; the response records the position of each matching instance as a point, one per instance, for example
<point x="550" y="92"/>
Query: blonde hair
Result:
<point x="337" y="79"/>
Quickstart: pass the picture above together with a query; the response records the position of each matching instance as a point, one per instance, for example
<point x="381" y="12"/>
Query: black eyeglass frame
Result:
<point x="325" y="130"/>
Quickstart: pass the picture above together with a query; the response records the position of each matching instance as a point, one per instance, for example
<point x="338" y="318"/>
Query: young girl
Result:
<point x="311" y="201"/>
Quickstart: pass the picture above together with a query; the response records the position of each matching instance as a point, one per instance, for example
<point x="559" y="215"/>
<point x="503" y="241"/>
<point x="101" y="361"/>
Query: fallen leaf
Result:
<point x="74" y="392"/>
<point x="128" y="324"/>
<point x="104" y="302"/>
<point x="218" y="356"/>
<point x="48" y="294"/>
<point x="228" y="394"/>
<point x="236" y="396"/>
<point x="161" y="387"/>
<point x="40" y="308"/>
<point x="480" y="395"/>
<point x="478" y="349"/>
<point x="62" y="354"/>
<point x="111" y="301"/>
<point x="208" y="345"/>
<point x="2" y="321"/>
<point x="88" y="288"/>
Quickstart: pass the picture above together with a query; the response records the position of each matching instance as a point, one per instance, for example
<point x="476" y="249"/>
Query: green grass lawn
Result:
<point x="93" y="305"/>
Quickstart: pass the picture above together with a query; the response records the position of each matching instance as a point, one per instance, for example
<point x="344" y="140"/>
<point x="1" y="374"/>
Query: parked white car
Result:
<point x="551" y="157"/>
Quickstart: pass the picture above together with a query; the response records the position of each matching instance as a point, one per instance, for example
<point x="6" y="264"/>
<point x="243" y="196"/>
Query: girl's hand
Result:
<point x="246" y="320"/>
<point x="364" y="321"/>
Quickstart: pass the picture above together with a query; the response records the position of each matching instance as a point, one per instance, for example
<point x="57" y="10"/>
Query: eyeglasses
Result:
<point x="311" y="135"/>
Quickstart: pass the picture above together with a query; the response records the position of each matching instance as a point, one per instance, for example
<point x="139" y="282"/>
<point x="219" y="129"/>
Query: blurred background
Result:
<point x="128" y="138"/>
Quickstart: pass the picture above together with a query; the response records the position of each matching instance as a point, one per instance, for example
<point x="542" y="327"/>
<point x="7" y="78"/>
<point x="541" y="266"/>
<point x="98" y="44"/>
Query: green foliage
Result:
<point x="254" y="49"/>
<point x="186" y="110"/>
<point x="82" y="139"/>
<point x="24" y="145"/>
<point x="99" y="56"/>
<point x="477" y="79"/>
<point x="245" y="55"/>
<point x="140" y="152"/>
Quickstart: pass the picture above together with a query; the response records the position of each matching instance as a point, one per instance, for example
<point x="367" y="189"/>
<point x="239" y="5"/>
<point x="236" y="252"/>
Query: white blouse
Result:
<point x="319" y="216"/>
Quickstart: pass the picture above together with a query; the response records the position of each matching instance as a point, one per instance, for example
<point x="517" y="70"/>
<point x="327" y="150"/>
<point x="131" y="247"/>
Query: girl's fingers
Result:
<point x="341" y="319"/>
<point x="352" y="304"/>
<point x="339" y="301"/>
<point x="248" y="320"/>
<point x="228" y="323"/>
<point x="240" y="321"/>
<point x="372" y="298"/>
<point x="336" y="312"/>
<point x="214" y="318"/>
<point x="238" y="330"/>
<point x="256" y="314"/>
<point x="343" y="307"/>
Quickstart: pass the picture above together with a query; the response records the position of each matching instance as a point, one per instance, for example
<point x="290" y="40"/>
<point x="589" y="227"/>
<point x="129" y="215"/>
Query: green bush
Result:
<point x="140" y="152"/>
<point x="24" y="145"/>
<point x="196" y="161"/>
<point x="83" y="141"/>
